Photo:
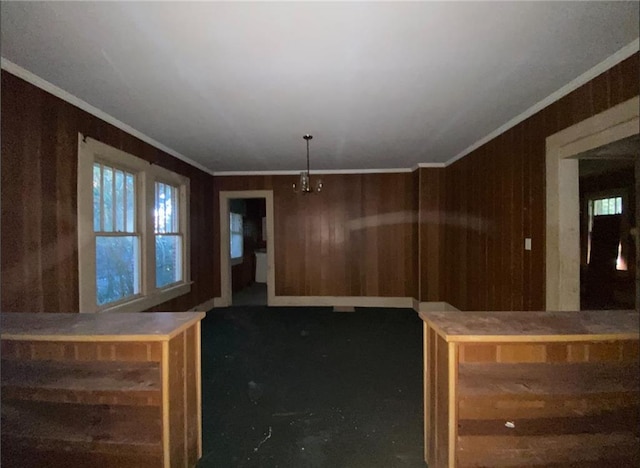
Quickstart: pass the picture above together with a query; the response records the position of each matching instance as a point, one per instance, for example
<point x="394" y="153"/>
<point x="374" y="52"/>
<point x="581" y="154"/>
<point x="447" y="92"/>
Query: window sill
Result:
<point x="143" y="303"/>
<point x="236" y="261"/>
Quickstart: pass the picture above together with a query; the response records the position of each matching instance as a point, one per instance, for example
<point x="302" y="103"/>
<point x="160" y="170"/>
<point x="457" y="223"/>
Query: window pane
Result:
<point x="166" y="208"/>
<point x="107" y="198"/>
<point x="236" y="245"/>
<point x="131" y="197"/>
<point x="97" y="184"/>
<point x="117" y="268"/>
<point x="168" y="260"/>
<point x="119" y="200"/>
<point x="619" y="205"/>
<point x="236" y="222"/>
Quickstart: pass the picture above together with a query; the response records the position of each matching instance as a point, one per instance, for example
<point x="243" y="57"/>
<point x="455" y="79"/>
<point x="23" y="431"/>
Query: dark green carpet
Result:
<point x="308" y="387"/>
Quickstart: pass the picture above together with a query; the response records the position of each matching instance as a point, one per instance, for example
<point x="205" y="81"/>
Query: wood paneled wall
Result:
<point x="39" y="251"/>
<point x="495" y="197"/>
<point x="355" y="238"/>
<point x="431" y="234"/>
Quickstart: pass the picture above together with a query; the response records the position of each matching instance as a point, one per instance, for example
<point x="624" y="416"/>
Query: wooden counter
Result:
<point x="531" y="388"/>
<point x="121" y="390"/>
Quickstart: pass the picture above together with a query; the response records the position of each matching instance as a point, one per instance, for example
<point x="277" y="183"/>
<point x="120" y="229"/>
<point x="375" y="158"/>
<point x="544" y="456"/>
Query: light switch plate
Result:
<point x="527" y="243"/>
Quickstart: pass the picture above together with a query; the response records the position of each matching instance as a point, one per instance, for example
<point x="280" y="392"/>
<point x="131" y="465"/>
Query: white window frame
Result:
<point x="236" y="260"/>
<point x="90" y="151"/>
<point x="182" y="226"/>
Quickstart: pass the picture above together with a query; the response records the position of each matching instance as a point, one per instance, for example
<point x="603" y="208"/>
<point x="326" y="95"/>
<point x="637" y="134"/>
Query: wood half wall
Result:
<point x="39" y="248"/>
<point x="355" y="238"/>
<point x="495" y="198"/>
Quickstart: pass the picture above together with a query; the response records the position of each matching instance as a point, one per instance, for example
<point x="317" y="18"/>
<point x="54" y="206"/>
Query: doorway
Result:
<point x="248" y="251"/>
<point x="562" y="239"/>
<point x="246" y="248"/>
<point x="608" y="223"/>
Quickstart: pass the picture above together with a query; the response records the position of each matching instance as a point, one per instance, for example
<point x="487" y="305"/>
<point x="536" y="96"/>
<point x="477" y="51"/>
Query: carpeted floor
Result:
<point x="309" y="387"/>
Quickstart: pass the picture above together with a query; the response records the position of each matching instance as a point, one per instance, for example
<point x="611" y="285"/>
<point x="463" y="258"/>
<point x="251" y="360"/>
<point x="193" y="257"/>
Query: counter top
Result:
<point x="535" y="326"/>
<point x="142" y="326"/>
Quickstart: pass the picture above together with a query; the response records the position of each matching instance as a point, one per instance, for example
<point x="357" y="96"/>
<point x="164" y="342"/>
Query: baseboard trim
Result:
<point x="342" y="301"/>
<point x="433" y="307"/>
<point x="206" y="305"/>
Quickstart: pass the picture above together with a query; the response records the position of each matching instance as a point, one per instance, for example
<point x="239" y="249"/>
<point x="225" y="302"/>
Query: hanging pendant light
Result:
<point x="305" y="176"/>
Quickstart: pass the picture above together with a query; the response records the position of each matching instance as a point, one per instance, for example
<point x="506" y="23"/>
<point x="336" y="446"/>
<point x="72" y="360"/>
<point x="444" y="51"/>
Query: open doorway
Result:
<point x="562" y="234"/>
<point x="248" y="251"/>
<point x="608" y="221"/>
<point x="247" y="276"/>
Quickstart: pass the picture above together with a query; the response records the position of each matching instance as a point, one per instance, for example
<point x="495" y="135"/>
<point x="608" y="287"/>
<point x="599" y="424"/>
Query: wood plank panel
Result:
<point x="431" y="234"/>
<point x="191" y="397"/>
<point x="16" y="456"/>
<point x="177" y="413"/>
<point x="355" y="238"/>
<point x="39" y="228"/>
<point x="620" y="420"/>
<point x="491" y="451"/>
<point x="432" y="390"/>
<point x="442" y="403"/>
<point x="499" y="188"/>
<point x="541" y="406"/>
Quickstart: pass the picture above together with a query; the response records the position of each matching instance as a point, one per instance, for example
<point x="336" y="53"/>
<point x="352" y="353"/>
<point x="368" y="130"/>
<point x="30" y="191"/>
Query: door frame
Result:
<point x="562" y="196"/>
<point x="225" y="261"/>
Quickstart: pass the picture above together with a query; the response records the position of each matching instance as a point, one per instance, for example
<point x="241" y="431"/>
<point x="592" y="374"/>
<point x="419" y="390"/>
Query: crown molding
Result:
<point x="622" y="54"/>
<point x="43" y="84"/>
<point x="314" y="172"/>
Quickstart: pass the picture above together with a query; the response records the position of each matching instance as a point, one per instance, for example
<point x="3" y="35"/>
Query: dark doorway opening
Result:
<point x="608" y="221"/>
<point x="248" y="251"/>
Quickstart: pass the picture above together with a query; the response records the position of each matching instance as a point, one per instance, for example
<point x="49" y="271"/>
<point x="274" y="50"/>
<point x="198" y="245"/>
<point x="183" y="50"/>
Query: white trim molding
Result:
<point x="225" y="260"/>
<point x="315" y="171"/>
<point x="43" y="84"/>
<point x="340" y="302"/>
<point x="562" y="197"/>
<point x="206" y="305"/>
<point x="343" y="301"/>
<point x="146" y="175"/>
<point x="434" y="307"/>
<point x="622" y="54"/>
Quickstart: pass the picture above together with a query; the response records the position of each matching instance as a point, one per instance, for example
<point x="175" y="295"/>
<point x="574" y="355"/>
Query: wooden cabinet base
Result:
<point x="112" y="390"/>
<point x="508" y="389"/>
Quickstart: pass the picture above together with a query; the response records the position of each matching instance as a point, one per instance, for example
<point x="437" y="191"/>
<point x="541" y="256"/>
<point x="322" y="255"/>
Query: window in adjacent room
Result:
<point x="236" y="237"/>
<point x="132" y="231"/>
<point x="605" y="207"/>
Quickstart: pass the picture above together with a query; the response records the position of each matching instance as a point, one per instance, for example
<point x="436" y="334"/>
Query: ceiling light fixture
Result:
<point x="305" y="176"/>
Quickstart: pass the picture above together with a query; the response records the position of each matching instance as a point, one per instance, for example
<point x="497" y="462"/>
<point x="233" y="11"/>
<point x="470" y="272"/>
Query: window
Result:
<point x="605" y="207"/>
<point x="168" y="235"/>
<point x="117" y="242"/>
<point x="132" y="231"/>
<point x="236" y="237"/>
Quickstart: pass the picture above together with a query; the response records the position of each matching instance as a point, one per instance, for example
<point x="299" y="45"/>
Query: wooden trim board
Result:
<point x="166" y="445"/>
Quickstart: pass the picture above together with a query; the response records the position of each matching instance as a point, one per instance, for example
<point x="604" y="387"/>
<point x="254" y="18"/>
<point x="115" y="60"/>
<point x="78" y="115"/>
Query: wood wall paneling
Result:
<point x="39" y="269"/>
<point x="355" y="238"/>
<point x="360" y="237"/>
<point x="495" y="197"/>
<point x="431" y="222"/>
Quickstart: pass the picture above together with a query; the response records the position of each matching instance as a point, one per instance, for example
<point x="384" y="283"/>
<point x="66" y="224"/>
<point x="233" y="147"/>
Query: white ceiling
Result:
<point x="234" y="86"/>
